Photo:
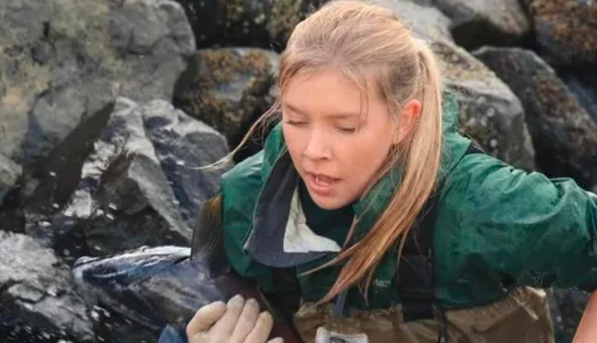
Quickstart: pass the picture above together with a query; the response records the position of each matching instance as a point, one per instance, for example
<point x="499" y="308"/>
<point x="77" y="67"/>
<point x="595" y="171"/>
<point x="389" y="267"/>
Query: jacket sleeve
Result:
<point x="239" y="188"/>
<point x="538" y="231"/>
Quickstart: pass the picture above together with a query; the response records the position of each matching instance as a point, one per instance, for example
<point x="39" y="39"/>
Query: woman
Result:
<point x="395" y="227"/>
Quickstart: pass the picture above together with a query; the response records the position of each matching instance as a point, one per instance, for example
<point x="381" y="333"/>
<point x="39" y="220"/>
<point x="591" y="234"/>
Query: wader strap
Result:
<point x="415" y="271"/>
<point x="415" y="277"/>
<point x="340" y="305"/>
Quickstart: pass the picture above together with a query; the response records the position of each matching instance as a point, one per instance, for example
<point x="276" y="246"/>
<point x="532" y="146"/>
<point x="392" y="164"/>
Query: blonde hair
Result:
<point x="365" y="39"/>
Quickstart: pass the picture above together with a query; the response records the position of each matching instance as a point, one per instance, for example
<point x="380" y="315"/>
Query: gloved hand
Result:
<point x="238" y="321"/>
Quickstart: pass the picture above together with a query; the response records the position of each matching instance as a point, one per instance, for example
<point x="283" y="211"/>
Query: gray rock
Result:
<point x="491" y="113"/>
<point x="9" y="174"/>
<point x="183" y="145"/>
<point x="565" y="31"/>
<point x="228" y="89"/>
<point x="37" y="296"/>
<point x="62" y="61"/>
<point x="426" y="22"/>
<point x="140" y="186"/>
<point x="484" y="22"/>
<point x="564" y="135"/>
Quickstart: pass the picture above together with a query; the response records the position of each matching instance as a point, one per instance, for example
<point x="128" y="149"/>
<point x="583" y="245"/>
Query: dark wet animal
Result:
<point x="159" y="286"/>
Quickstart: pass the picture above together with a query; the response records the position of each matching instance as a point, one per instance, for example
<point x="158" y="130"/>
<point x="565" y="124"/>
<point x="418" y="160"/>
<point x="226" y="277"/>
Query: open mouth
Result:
<point x="324" y="180"/>
<point x="321" y="184"/>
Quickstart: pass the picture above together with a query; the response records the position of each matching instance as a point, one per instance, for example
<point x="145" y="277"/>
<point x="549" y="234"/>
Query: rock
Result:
<point x="564" y="136"/>
<point x="251" y="23"/>
<point x="565" y="31"/>
<point x="484" y="22"/>
<point x="9" y="174"/>
<point x="52" y="183"/>
<point x="183" y="145"/>
<point x="490" y="113"/>
<point x="583" y="85"/>
<point x="61" y="61"/>
<point x="426" y="22"/>
<point x="567" y="307"/>
<point x="140" y="186"/>
<point x="159" y="286"/>
<point x="228" y="89"/>
<point x="36" y="295"/>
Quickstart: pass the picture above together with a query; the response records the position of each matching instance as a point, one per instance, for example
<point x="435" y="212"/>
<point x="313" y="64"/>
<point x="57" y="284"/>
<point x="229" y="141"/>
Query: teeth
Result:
<point x="323" y="180"/>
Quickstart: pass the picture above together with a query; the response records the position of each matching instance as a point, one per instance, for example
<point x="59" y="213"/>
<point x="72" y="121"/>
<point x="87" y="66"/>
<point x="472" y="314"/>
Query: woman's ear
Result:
<point x="407" y="119"/>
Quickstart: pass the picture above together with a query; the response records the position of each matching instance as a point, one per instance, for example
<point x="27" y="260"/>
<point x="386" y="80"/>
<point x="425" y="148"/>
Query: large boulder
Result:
<point x="426" y="22"/>
<point x="491" y="113"/>
<point x="228" y="88"/>
<point x="565" y="31"/>
<point x="141" y="185"/>
<point x="484" y="22"/>
<point x="61" y="61"/>
<point x="254" y="23"/>
<point x="583" y="85"/>
<point x="564" y="135"/>
<point x="37" y="300"/>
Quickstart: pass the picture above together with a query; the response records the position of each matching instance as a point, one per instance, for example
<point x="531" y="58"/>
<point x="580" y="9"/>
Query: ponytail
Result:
<point x="422" y="163"/>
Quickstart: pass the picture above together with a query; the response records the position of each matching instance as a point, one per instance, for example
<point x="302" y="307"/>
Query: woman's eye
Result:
<point x="347" y="129"/>
<point x="295" y="122"/>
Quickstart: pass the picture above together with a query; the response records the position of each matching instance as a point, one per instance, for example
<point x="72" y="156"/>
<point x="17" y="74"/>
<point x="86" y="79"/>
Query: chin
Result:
<point x="329" y="203"/>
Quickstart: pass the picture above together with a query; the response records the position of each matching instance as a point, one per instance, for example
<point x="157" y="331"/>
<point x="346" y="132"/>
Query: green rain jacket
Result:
<point x="496" y="227"/>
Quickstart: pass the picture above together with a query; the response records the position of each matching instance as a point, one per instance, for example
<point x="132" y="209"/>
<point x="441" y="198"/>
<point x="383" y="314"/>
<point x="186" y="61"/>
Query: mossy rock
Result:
<point x="228" y="88"/>
<point x="566" y="31"/>
<point x="564" y="135"/>
<point x="491" y="114"/>
<point x="249" y="23"/>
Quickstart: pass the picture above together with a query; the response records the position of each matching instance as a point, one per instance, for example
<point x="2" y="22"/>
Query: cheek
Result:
<point x="365" y="157"/>
<point x="292" y="140"/>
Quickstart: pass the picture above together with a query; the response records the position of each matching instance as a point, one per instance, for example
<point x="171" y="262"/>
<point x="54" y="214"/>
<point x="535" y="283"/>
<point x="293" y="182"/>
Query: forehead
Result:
<point x="326" y="93"/>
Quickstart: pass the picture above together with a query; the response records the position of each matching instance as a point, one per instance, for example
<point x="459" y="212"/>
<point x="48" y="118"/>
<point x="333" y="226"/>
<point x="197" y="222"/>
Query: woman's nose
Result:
<point x="317" y="147"/>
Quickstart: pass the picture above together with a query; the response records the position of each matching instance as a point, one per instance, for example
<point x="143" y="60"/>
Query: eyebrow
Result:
<point x="340" y="115"/>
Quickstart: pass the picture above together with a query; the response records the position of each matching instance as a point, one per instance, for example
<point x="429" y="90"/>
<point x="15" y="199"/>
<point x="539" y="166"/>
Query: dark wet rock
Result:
<point x="151" y="287"/>
<point x="565" y="31"/>
<point x="9" y="174"/>
<point x="426" y="22"/>
<point x="37" y="300"/>
<point x="12" y="218"/>
<point x="255" y="23"/>
<point x="62" y="61"/>
<point x="155" y="287"/>
<point x="183" y="145"/>
<point x="484" y="22"/>
<point x="228" y="88"/>
<point x="583" y="85"/>
<point x="567" y="307"/>
<point x="491" y="113"/>
<point x="140" y="186"/>
<point x="52" y="183"/>
<point x="564" y="135"/>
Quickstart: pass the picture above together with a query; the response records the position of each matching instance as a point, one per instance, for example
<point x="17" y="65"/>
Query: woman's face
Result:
<point x="335" y="146"/>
